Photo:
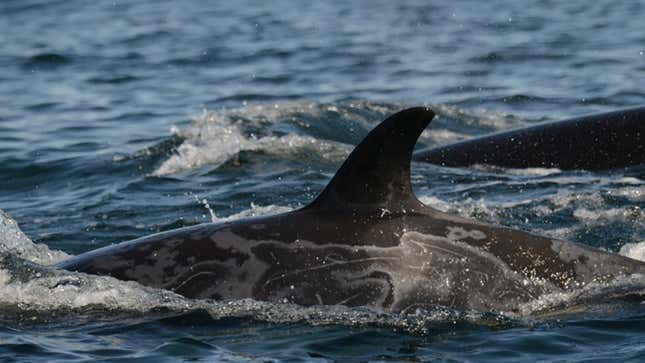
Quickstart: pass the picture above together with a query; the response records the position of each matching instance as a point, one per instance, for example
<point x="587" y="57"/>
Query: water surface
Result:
<point x="122" y="119"/>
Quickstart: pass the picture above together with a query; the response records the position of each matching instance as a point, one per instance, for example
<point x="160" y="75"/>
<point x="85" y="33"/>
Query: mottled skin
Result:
<point x="365" y="241"/>
<point x="596" y="142"/>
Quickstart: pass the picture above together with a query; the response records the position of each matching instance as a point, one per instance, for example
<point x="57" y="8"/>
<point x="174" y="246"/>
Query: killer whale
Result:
<point x="594" y="142"/>
<point x="366" y="240"/>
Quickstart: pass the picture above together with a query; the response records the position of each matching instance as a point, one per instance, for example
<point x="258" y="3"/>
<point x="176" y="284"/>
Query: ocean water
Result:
<point x="121" y="119"/>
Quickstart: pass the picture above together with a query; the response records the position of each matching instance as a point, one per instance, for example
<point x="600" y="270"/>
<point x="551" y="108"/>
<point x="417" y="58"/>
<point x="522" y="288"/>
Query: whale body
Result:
<point x="366" y="240"/>
<point x="595" y="142"/>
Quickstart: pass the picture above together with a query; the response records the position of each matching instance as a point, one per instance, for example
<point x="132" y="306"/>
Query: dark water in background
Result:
<point x="104" y="137"/>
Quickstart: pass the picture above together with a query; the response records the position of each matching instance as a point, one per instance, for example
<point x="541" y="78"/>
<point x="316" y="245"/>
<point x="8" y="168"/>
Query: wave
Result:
<point x="328" y="130"/>
<point x="46" y="61"/>
<point x="216" y="137"/>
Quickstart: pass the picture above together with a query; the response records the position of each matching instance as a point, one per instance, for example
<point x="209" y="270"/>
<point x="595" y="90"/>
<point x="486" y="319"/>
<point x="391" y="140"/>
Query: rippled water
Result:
<point x="122" y="119"/>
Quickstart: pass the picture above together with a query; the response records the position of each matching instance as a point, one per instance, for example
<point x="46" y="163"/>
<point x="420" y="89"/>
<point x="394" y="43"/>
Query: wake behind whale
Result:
<point x="365" y="241"/>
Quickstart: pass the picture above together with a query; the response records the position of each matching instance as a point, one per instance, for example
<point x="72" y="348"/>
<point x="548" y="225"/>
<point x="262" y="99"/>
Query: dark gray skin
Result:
<point x="365" y="241"/>
<point x="596" y="142"/>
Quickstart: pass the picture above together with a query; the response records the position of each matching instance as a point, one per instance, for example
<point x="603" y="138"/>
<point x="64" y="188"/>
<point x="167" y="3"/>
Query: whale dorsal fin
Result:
<point x="376" y="175"/>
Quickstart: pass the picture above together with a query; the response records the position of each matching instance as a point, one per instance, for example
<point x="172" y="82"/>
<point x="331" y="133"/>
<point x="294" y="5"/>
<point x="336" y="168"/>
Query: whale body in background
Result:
<point x="595" y="142"/>
<point x="366" y="240"/>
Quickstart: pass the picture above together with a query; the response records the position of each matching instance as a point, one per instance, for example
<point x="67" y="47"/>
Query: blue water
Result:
<point x="121" y="119"/>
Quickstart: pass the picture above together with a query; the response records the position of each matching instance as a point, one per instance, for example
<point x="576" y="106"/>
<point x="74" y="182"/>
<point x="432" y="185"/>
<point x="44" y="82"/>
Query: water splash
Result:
<point x="217" y="136"/>
<point x="204" y="203"/>
<point x="253" y="211"/>
<point x="634" y="250"/>
<point x="489" y="119"/>
<point x="13" y="241"/>
<point x="287" y="128"/>
<point x="595" y="209"/>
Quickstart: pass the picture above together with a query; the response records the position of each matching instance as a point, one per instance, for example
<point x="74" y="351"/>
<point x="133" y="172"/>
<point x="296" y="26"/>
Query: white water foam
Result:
<point x="519" y="172"/>
<point x="623" y="214"/>
<point x="480" y="117"/>
<point x="591" y="209"/>
<point x="634" y="250"/>
<point x="584" y="299"/>
<point x="253" y="211"/>
<point x="480" y="209"/>
<point x="217" y="136"/>
<point x="635" y="194"/>
<point x="14" y="241"/>
<point x="256" y="211"/>
<point x="436" y="137"/>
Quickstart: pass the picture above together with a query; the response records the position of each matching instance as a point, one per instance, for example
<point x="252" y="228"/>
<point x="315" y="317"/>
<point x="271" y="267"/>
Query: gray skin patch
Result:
<point x="459" y="234"/>
<point x="422" y="270"/>
<point x="593" y="265"/>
